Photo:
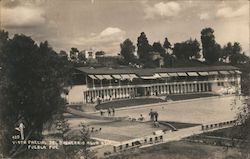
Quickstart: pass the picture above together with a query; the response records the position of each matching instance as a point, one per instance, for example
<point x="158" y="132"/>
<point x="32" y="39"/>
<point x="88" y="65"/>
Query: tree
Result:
<point x="226" y="52"/>
<point x="169" y="60"/>
<point x="4" y="36"/>
<point x="81" y="57"/>
<point x="236" y="55"/>
<point x="210" y="49"/>
<point x="63" y="54"/>
<point x="99" y="54"/>
<point x="143" y="48"/>
<point x="167" y="44"/>
<point x="233" y="53"/>
<point x="157" y="47"/>
<point x="127" y="51"/>
<point x="32" y="82"/>
<point x="83" y="150"/>
<point x="187" y="49"/>
<point x="73" y="54"/>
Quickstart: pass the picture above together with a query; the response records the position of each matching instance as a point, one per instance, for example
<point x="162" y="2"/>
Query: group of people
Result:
<point x="110" y="112"/>
<point x="153" y="115"/>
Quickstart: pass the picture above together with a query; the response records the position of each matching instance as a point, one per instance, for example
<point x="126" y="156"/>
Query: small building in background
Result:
<point x="90" y="54"/>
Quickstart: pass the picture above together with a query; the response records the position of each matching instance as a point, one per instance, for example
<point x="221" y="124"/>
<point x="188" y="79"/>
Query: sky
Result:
<point x="104" y="24"/>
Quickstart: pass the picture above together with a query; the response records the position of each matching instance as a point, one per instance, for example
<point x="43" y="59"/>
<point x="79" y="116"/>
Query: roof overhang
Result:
<point x="100" y="77"/>
<point x="173" y="74"/>
<point x="181" y="74"/>
<point x="192" y="74"/>
<point x="92" y="76"/>
<point x="224" y="72"/>
<point x="213" y="73"/>
<point x="203" y="73"/>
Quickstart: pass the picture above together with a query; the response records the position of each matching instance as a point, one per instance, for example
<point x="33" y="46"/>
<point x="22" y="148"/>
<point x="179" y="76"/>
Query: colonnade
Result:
<point x="107" y="94"/>
<point x="178" y="88"/>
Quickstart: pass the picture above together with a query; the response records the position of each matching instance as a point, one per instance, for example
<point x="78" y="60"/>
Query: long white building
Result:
<point x="109" y="84"/>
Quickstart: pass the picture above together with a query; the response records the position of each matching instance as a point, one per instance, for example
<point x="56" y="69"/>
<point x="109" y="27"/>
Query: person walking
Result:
<point x="156" y="116"/>
<point x="151" y="114"/>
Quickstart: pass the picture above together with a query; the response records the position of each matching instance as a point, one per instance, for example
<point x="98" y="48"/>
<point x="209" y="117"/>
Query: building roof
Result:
<point x="151" y="71"/>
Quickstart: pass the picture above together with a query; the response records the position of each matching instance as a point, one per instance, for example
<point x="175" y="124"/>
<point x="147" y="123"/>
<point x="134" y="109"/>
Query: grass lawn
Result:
<point x="182" y="150"/>
<point x="128" y="103"/>
<point x="151" y="100"/>
<point x="189" y="96"/>
<point x="232" y="132"/>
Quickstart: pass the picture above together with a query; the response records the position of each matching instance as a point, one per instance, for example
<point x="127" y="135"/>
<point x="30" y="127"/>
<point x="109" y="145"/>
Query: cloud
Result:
<point x="23" y="16"/>
<point x="15" y="3"/>
<point x="110" y="31"/>
<point x="106" y="40"/>
<point x="204" y="16"/>
<point x="161" y="9"/>
<point x="228" y="12"/>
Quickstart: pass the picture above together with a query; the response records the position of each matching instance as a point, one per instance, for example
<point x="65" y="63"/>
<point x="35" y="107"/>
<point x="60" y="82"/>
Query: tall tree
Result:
<point x="127" y="51"/>
<point x="187" y="49"/>
<point x="226" y="52"/>
<point x="167" y="45"/>
<point x="143" y="48"/>
<point x="157" y="47"/>
<point x="210" y="49"/>
<point x="31" y="85"/>
<point x="236" y="55"/>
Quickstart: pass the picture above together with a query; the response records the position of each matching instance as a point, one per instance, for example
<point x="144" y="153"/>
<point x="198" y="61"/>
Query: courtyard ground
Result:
<point x="200" y="111"/>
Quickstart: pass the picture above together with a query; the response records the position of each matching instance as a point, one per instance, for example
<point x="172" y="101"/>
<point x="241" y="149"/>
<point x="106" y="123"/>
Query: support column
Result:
<point x="185" y="88"/>
<point x="180" y="89"/>
<point x="207" y="87"/>
<point x="123" y="93"/>
<point x="93" y="81"/>
<point x="118" y="93"/>
<point x="176" y="89"/>
<point x="172" y="88"/>
<point x="195" y="87"/>
<point x="93" y="95"/>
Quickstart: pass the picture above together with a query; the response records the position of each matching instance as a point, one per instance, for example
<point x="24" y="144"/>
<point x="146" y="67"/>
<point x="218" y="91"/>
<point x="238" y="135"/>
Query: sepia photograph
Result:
<point x="124" y="79"/>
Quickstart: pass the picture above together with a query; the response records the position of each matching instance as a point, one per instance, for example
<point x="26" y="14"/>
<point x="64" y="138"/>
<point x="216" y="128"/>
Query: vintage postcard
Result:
<point x="124" y="79"/>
